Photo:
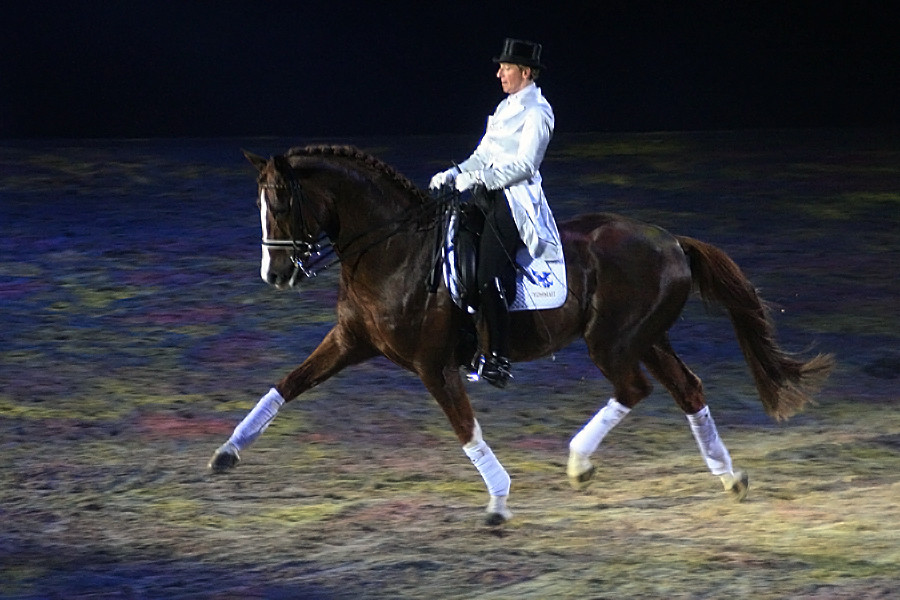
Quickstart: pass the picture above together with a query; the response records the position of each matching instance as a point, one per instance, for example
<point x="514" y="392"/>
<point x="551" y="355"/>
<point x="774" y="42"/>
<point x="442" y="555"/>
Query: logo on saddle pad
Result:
<point x="542" y="278"/>
<point x="540" y="284"/>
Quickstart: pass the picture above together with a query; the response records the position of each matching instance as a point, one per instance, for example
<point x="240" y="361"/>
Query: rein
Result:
<point x="312" y="255"/>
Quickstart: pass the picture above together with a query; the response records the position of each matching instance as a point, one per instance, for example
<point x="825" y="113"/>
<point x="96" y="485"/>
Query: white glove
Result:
<point x="443" y="178"/>
<point x="467" y="180"/>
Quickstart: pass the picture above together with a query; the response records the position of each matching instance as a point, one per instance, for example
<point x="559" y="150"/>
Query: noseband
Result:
<point x="309" y="255"/>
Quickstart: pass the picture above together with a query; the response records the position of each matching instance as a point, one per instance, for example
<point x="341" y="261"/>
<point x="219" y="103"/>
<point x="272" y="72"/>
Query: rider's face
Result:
<point x="512" y="77"/>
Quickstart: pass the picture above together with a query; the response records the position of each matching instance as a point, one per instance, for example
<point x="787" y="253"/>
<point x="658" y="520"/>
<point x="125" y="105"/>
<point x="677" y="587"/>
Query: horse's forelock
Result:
<point x="282" y="165"/>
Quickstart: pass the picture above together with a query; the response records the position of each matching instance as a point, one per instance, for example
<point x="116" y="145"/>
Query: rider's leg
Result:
<point x="496" y="283"/>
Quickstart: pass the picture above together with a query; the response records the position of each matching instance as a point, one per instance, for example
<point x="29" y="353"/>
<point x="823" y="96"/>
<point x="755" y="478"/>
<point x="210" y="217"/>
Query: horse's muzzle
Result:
<point x="279" y="281"/>
<point x="285" y="269"/>
<point x="277" y="268"/>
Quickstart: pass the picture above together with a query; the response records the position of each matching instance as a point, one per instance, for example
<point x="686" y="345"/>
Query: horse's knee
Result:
<point x="474" y="438"/>
<point x="447" y="388"/>
<point x="693" y="399"/>
<point x="642" y="387"/>
<point x="631" y="387"/>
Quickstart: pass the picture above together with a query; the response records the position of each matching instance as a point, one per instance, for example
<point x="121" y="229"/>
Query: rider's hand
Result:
<point x="443" y="178"/>
<point x="467" y="180"/>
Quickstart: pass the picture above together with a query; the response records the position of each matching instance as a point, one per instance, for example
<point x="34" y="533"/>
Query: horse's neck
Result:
<point x="378" y="221"/>
<point x="372" y="211"/>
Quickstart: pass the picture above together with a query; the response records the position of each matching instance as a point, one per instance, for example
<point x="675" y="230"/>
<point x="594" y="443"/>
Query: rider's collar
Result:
<point x="518" y="96"/>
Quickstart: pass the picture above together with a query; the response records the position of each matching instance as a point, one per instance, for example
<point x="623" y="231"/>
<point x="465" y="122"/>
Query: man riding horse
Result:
<point x="505" y="168"/>
<point x="627" y="284"/>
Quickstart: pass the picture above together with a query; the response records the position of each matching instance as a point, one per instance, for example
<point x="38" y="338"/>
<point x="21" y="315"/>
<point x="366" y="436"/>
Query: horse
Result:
<point x="628" y="281"/>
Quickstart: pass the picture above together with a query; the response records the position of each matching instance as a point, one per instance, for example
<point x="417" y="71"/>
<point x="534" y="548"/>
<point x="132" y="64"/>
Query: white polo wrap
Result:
<point x="257" y="420"/>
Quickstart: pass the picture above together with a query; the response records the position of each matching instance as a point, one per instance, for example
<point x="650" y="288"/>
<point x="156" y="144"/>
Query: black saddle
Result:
<point x="457" y="241"/>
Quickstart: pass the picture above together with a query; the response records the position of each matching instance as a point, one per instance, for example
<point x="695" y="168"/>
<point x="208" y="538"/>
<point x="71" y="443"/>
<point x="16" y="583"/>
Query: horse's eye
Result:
<point x="278" y="204"/>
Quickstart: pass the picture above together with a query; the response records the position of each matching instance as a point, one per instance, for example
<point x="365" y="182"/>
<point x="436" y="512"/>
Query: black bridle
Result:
<point x="310" y="254"/>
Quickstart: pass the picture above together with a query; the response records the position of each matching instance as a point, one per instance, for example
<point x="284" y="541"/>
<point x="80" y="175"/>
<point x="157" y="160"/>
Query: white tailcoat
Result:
<point x="509" y="156"/>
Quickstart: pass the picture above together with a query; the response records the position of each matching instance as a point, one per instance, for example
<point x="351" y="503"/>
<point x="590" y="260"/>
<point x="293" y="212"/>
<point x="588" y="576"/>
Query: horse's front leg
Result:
<point x="333" y="354"/>
<point x="446" y="385"/>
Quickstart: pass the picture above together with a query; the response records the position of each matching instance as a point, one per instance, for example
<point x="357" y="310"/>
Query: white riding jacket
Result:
<point x="509" y="156"/>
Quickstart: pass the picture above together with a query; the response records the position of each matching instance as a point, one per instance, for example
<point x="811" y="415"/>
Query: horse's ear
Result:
<point x="257" y="161"/>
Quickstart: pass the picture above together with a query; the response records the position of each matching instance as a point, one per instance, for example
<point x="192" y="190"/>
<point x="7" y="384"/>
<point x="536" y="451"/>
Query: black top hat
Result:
<point x="521" y="52"/>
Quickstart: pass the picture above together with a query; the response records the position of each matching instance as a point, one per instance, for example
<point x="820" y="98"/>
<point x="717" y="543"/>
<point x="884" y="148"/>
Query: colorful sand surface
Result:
<point x="135" y="332"/>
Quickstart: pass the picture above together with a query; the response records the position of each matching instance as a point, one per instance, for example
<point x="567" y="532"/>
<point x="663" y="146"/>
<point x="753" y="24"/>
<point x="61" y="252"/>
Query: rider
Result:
<point x="506" y="164"/>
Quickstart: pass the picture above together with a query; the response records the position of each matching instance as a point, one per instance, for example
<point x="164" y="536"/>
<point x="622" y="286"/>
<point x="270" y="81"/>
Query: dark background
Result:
<point x="123" y="69"/>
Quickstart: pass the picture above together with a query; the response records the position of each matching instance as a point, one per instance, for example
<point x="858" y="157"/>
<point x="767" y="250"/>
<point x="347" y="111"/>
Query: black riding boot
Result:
<point x="495" y="367"/>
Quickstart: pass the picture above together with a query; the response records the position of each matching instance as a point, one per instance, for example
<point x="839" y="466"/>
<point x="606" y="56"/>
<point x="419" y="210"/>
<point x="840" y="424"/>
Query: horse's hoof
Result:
<point x="580" y="470"/>
<point x="497" y="513"/>
<point x="224" y="459"/>
<point x="495" y="520"/>
<point x="740" y="486"/>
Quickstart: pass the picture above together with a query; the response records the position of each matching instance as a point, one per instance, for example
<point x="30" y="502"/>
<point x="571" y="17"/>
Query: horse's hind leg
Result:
<point x="630" y="388"/>
<point x="687" y="390"/>
<point x="587" y="440"/>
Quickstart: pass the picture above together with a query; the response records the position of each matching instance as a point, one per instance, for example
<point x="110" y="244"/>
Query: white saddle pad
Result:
<point x="539" y="284"/>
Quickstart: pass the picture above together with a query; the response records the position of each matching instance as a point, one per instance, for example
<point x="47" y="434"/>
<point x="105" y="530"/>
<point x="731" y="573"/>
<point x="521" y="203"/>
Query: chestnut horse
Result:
<point x="628" y="282"/>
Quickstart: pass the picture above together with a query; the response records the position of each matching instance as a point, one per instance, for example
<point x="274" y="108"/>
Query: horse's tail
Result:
<point x="784" y="381"/>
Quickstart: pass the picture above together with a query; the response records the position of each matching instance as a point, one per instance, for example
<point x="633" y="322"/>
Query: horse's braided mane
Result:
<point x="358" y="155"/>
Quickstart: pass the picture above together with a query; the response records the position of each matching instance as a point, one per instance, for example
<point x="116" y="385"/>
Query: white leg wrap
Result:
<point x="495" y="476"/>
<point x="588" y="439"/>
<point x="257" y="420"/>
<point x="711" y="447"/>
